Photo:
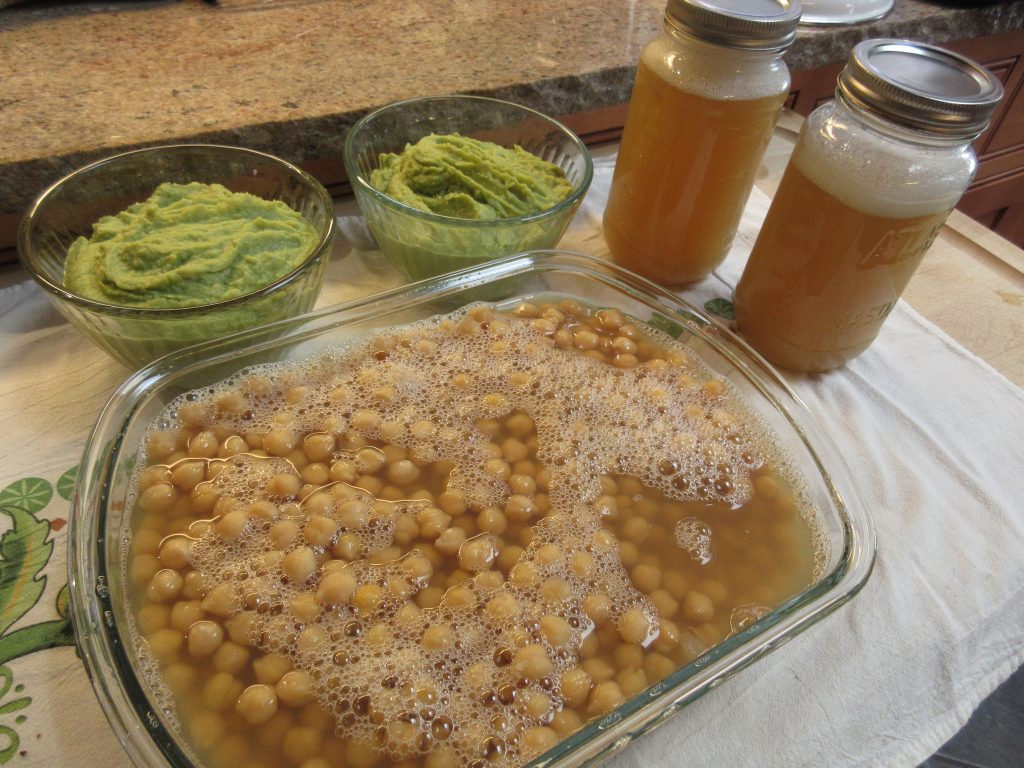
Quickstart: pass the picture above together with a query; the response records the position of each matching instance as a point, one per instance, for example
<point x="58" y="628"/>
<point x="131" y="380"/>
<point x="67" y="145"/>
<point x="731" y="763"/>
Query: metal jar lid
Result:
<point x="920" y="86"/>
<point x="757" y="25"/>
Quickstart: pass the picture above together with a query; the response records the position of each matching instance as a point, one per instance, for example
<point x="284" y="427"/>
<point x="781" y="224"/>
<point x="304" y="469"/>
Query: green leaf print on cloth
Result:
<point x="25" y="549"/>
<point x="30" y="494"/>
<point x="24" y="552"/>
<point x="721" y="307"/>
<point x="66" y="483"/>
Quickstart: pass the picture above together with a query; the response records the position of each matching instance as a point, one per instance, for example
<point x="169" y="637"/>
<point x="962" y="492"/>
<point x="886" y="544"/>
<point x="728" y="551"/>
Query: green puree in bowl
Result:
<point x="188" y="245"/>
<point x="452" y="175"/>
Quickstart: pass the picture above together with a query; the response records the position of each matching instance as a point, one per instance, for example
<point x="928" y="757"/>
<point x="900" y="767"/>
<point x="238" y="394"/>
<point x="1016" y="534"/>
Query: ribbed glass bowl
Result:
<point x="136" y="336"/>
<point x="424" y="244"/>
<point x="100" y="531"/>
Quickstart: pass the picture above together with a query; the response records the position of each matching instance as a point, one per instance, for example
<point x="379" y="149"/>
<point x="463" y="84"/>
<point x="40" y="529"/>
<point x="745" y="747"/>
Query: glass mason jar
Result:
<point x="872" y="178"/>
<point x="708" y="92"/>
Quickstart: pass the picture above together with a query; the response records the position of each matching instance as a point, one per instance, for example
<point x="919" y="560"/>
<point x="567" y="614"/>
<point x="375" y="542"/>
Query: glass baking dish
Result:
<point x="100" y="522"/>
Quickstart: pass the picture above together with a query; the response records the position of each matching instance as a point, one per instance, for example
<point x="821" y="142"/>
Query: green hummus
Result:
<point x="456" y="176"/>
<point x="187" y="245"/>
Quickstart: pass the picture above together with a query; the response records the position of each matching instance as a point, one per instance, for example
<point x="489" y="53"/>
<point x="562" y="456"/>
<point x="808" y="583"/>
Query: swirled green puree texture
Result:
<point x="453" y="175"/>
<point x="188" y="245"/>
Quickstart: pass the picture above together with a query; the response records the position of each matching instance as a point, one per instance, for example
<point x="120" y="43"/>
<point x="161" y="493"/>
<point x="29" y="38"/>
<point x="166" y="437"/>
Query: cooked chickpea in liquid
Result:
<point x="455" y="543"/>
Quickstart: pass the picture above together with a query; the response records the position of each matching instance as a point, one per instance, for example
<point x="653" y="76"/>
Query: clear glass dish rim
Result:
<point x="121" y="696"/>
<point x="28" y="261"/>
<point x="359" y="184"/>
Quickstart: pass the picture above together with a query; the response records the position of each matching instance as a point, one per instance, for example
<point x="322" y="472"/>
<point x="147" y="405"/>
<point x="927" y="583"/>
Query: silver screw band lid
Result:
<point x="760" y="25"/>
<point x="920" y="86"/>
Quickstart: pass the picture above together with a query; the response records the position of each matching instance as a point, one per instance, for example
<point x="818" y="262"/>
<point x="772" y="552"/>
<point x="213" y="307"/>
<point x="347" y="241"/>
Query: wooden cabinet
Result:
<point x="996" y="198"/>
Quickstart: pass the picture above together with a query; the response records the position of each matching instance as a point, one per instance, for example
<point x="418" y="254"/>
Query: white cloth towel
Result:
<point x="931" y="433"/>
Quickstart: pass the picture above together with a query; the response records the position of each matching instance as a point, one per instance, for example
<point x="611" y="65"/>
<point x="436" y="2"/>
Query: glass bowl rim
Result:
<point x="100" y="637"/>
<point x="26" y="253"/>
<point x="361" y="185"/>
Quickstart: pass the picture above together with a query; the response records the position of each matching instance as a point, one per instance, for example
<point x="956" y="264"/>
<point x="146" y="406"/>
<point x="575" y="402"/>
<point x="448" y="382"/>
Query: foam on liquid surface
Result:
<point x="427" y="387"/>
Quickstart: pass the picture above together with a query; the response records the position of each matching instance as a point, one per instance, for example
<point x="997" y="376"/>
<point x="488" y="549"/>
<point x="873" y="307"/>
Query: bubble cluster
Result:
<point x="313" y="561"/>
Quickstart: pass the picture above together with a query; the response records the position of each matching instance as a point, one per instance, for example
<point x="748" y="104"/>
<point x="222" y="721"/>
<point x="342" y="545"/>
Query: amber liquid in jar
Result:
<point x="689" y="154"/>
<point x="818" y="288"/>
<point x="844" y="234"/>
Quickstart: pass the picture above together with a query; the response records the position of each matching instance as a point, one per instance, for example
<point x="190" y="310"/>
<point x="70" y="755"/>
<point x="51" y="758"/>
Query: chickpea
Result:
<point x="221" y="601"/>
<point x="403" y="472"/>
<point x="438" y="637"/>
<point x="459" y="596"/>
<point x="294" y="688"/>
<point x="566" y="721"/>
<point x="598" y="669"/>
<point x="257" y="704"/>
<point x="207" y="729"/>
<point x="204" y="638"/>
<point x="299" y="564"/>
<point x="525" y="574"/>
<point x="269" y="669"/>
<point x="555" y="591"/>
<point x="367" y="598"/>
<point x="221" y="691"/>
<point x="344" y="471"/>
<point x="450" y="541"/>
<point x="664" y="602"/>
<point x="284" y="485"/>
<point x="336" y="588"/>
<point x="634" y="626"/>
<point x="575" y="686"/>
<point x="532" y="662"/>
<point x="305" y="607"/>
<point x="429" y="597"/>
<point x="492" y="520"/>
<point x="502" y="607"/>
<point x="301" y="743"/>
<point x="240" y="628"/>
<point x="631" y="681"/>
<point x="697" y="607"/>
<point x="647" y="578"/>
<point x="657" y="667"/>
<point x="348" y="547"/>
<point x="175" y="552"/>
<point x="520" y="508"/>
<point x="522" y="484"/>
<point x="193" y="588"/>
<point x="283" y="533"/>
<point x="144" y="568"/>
<point x="605" y="697"/>
<point x="319" y="531"/>
<point x="180" y="677"/>
<point x="539" y="739"/>
<point x="452" y="503"/>
<point x="477" y="554"/>
<point x="230" y="657"/>
<point x="165" y="585"/>
<point x="231" y="526"/>
<point x="158" y="498"/>
<point x="556" y="630"/>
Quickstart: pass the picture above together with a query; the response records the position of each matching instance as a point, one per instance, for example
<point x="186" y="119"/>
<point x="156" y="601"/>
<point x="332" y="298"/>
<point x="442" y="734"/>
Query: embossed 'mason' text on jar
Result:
<point x="707" y="95"/>
<point x="873" y="177"/>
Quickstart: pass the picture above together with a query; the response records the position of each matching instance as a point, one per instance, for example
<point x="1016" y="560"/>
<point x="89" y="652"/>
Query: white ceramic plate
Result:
<point x="843" y="11"/>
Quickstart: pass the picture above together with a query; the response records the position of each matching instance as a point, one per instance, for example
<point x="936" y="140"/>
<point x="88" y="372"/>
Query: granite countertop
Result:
<point x="88" y="79"/>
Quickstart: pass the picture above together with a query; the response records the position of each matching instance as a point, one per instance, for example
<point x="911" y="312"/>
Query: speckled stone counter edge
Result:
<point x="316" y="142"/>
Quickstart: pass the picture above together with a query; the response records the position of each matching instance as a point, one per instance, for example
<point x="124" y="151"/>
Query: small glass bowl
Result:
<point x="101" y="517"/>
<point x="423" y="244"/>
<point x="136" y="336"/>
